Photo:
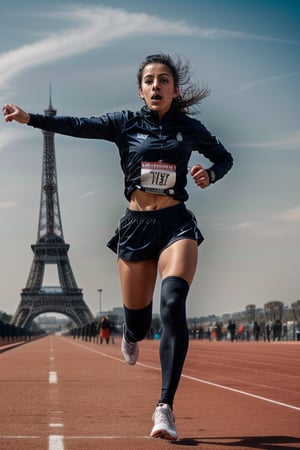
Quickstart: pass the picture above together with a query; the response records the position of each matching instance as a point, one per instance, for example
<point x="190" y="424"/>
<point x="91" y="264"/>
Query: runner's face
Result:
<point x="157" y="88"/>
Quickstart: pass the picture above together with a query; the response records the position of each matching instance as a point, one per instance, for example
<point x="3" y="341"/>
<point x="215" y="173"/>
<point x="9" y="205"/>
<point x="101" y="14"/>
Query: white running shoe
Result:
<point x="164" y="423"/>
<point x="130" y="350"/>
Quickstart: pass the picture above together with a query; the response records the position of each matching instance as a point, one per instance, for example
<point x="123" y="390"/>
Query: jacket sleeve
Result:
<point x="215" y="151"/>
<point x="108" y="127"/>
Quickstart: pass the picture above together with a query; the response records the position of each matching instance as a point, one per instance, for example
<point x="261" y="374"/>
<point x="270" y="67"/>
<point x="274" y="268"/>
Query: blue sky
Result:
<point x="246" y="52"/>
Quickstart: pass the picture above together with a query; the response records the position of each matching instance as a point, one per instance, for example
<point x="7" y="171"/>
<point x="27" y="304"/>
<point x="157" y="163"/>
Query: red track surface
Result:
<point x="63" y="394"/>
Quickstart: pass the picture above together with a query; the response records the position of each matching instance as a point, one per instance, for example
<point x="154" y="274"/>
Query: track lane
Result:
<point x="98" y="401"/>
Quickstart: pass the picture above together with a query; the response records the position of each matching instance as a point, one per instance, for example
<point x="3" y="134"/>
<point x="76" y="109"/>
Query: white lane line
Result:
<point x="59" y="440"/>
<point x="20" y="437"/>
<point x="56" y="442"/>
<point x="58" y="425"/>
<point x="105" y="437"/>
<point x="52" y="377"/>
<point x="199" y="380"/>
<point x="238" y="391"/>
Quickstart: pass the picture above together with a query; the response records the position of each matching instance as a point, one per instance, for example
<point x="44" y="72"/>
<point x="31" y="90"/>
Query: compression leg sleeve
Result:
<point x="175" y="337"/>
<point x="137" y="322"/>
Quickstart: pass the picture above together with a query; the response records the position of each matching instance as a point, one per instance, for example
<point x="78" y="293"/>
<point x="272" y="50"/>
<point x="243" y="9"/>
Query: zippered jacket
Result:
<point x="154" y="154"/>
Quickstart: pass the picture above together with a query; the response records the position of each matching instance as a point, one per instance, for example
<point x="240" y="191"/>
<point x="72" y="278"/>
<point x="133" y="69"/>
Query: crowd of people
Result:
<point x="268" y="331"/>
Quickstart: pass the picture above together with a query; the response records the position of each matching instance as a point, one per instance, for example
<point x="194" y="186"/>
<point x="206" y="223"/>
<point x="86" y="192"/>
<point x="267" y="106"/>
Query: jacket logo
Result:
<point x="179" y="137"/>
<point x="142" y="136"/>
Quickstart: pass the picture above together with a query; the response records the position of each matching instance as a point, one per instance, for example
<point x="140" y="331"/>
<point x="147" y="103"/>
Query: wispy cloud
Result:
<point x="245" y="225"/>
<point x="87" y="194"/>
<point x="218" y="33"/>
<point x="288" y="141"/>
<point x="270" y="226"/>
<point x="96" y="27"/>
<point x="291" y="215"/>
<point x="7" y="204"/>
<point x="253" y="84"/>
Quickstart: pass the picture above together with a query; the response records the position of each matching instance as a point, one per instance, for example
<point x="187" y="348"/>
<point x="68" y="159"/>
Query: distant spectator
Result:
<point x="218" y="332"/>
<point x="285" y="332"/>
<point x="268" y="331"/>
<point x="200" y="332"/>
<point x="232" y="330"/>
<point x="241" y="332"/>
<point x="105" y="329"/>
<point x="248" y="331"/>
<point x="256" y="331"/>
<point x="277" y="329"/>
<point x="208" y="333"/>
<point x="224" y="332"/>
<point x="298" y="332"/>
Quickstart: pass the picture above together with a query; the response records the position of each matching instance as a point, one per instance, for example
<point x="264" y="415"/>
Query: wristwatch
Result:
<point x="211" y="175"/>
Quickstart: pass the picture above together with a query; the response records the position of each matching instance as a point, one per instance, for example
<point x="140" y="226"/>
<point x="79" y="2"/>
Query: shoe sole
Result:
<point x="162" y="434"/>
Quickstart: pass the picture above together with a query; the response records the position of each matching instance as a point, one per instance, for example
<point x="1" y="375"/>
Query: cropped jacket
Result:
<point x="154" y="154"/>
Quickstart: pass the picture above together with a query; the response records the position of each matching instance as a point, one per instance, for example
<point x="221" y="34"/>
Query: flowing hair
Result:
<point x="190" y="94"/>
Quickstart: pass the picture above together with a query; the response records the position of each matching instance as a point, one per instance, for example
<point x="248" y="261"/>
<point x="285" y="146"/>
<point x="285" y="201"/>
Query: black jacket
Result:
<point x="142" y="139"/>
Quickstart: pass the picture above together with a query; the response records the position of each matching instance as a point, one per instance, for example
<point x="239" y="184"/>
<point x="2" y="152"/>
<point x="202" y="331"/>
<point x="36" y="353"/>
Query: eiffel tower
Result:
<point x="50" y="248"/>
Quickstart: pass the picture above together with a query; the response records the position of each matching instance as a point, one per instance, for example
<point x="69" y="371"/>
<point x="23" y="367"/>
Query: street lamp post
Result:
<point x="100" y="298"/>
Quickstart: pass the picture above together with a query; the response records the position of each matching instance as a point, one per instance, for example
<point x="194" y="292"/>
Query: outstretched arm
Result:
<point x="12" y="112"/>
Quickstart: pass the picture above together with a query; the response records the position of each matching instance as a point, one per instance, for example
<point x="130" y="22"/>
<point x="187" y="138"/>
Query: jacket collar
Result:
<point x="152" y="115"/>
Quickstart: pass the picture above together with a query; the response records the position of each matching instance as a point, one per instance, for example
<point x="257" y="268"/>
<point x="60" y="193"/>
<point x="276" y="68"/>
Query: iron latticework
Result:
<point x="50" y="248"/>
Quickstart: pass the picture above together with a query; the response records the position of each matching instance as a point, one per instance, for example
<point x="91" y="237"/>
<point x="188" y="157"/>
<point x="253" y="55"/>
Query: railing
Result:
<point x="11" y="336"/>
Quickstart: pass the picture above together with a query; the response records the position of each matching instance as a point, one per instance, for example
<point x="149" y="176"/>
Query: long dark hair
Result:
<point x="190" y="94"/>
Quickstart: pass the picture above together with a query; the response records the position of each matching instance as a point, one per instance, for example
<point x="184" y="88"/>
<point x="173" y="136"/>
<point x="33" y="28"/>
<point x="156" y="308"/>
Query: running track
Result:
<point x="63" y="394"/>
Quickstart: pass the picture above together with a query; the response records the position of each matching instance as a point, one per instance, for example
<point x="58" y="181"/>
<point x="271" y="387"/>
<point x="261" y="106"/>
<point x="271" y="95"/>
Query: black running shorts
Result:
<point x="143" y="235"/>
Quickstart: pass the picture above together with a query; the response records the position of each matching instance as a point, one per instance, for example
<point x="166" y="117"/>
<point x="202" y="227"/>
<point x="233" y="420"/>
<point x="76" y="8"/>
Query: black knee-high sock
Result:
<point x="175" y="338"/>
<point x="138" y="322"/>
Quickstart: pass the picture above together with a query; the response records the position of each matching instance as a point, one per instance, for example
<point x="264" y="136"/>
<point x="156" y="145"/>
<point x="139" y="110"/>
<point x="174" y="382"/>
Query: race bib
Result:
<point x="158" y="177"/>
